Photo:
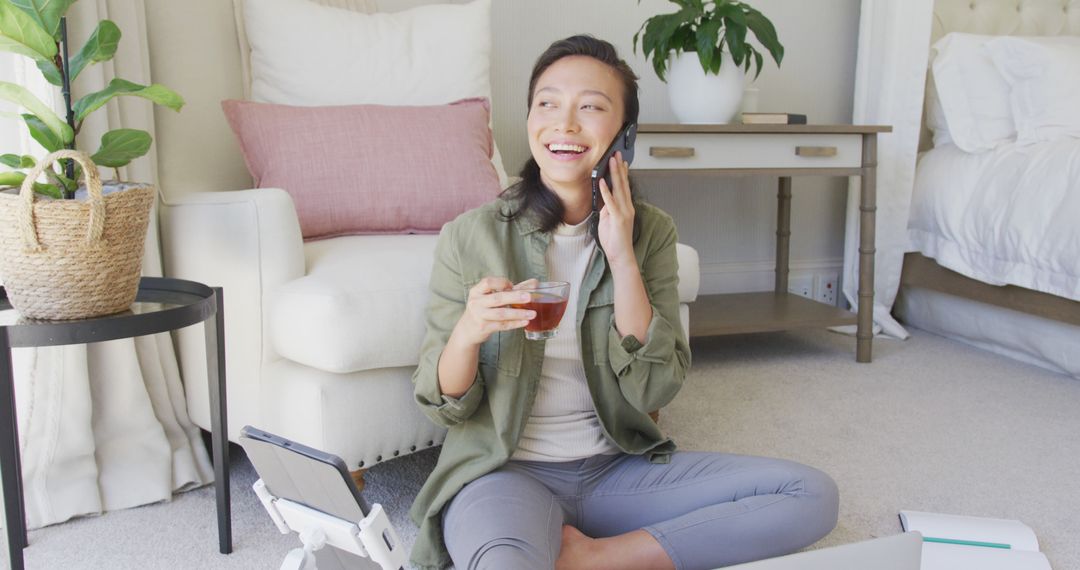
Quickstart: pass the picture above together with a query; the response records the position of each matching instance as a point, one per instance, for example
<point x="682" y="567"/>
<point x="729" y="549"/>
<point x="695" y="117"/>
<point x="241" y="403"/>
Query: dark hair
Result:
<point x="530" y="195"/>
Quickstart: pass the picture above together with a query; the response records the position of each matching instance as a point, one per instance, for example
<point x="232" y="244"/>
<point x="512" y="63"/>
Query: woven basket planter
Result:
<point x="73" y="259"/>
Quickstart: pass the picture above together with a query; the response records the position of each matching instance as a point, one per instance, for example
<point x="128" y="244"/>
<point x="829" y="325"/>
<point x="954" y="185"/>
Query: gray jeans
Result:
<point x="705" y="509"/>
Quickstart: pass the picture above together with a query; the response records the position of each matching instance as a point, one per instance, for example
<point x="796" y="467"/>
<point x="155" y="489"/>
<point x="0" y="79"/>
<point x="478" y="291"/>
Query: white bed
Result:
<point x="1010" y="216"/>
<point x="1003" y="216"/>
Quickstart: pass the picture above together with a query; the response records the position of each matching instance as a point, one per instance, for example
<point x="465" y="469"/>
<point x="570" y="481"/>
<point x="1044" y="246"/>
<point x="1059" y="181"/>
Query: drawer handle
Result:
<point x="815" y="151"/>
<point x="671" y="151"/>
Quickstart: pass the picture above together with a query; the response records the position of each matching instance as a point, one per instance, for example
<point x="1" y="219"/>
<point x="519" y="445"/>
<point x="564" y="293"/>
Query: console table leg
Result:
<point x="215" y="363"/>
<point x="10" y="464"/>
<point x="783" y="233"/>
<point x="867" y="219"/>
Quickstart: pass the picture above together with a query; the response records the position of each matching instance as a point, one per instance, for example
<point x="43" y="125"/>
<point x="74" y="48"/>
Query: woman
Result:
<point x="551" y="459"/>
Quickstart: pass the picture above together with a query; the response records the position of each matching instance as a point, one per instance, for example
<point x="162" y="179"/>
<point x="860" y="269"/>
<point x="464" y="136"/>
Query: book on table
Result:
<point x="956" y="541"/>
<point x="773" y="119"/>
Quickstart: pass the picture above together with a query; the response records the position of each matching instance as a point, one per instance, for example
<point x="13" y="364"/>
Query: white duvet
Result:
<point x="1007" y="216"/>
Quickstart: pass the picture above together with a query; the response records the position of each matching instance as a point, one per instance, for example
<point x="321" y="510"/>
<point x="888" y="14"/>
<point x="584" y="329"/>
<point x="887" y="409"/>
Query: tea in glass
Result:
<point x="549" y="301"/>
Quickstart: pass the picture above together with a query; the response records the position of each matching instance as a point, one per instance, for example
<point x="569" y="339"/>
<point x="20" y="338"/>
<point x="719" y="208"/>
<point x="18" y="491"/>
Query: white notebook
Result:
<point x="956" y="541"/>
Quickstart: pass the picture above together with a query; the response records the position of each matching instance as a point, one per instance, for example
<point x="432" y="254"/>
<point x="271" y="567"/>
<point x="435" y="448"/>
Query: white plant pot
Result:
<point x="699" y="97"/>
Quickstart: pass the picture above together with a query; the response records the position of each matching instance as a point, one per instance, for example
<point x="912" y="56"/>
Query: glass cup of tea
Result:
<point x="549" y="301"/>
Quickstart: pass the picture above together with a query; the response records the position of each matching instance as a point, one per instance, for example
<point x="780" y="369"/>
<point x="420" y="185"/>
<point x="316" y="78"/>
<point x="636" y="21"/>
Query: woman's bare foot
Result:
<point x="577" y="550"/>
<point x="635" y="549"/>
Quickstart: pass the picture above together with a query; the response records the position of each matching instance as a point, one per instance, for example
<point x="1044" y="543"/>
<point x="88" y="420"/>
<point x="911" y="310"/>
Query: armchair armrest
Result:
<point x="248" y="242"/>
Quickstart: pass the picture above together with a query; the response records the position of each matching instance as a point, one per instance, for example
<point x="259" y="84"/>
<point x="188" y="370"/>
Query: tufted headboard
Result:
<point x="1001" y="18"/>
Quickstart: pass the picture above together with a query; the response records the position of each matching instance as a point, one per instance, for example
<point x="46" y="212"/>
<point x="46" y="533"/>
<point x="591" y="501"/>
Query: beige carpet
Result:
<point x="930" y="425"/>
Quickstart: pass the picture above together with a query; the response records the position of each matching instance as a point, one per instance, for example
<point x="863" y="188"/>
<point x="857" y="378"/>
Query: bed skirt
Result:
<point x="1043" y="342"/>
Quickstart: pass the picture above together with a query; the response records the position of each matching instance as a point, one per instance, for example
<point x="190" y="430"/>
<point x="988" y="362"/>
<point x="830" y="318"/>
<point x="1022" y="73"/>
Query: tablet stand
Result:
<point x="372" y="537"/>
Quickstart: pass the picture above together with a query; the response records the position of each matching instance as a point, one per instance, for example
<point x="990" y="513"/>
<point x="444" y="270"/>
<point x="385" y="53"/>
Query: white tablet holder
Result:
<point x="371" y="537"/>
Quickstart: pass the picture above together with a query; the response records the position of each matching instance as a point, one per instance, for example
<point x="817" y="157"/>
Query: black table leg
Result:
<point x="10" y="463"/>
<point x="215" y="364"/>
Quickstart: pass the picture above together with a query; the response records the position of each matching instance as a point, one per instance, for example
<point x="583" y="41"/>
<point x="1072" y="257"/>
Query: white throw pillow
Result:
<point x="307" y="54"/>
<point x="974" y="95"/>
<point x="1045" y="77"/>
<point x="365" y="6"/>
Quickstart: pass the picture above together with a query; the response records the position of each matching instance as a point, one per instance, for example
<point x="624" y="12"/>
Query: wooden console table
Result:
<point x="784" y="151"/>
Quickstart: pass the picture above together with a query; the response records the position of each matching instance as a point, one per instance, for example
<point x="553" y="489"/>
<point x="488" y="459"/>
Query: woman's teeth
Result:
<point x="560" y="147"/>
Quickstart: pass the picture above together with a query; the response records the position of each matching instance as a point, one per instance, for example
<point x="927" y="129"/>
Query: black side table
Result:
<point x="162" y="304"/>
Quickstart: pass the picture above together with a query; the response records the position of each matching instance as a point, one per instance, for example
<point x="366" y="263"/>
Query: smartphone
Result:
<point x="624" y="142"/>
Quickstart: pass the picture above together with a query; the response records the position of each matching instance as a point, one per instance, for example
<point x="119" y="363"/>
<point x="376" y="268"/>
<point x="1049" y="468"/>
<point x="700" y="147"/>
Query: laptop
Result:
<point x="898" y="552"/>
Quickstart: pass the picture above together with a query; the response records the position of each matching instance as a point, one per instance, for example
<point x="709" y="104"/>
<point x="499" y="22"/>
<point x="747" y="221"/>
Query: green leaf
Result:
<point x="666" y="32"/>
<point x="70" y="184"/>
<point x="100" y="47"/>
<point x="707" y="38"/>
<point x="51" y="73"/>
<point x="157" y="93"/>
<point x="43" y="134"/>
<point x="20" y="96"/>
<point x="16" y="161"/>
<point x="765" y="33"/>
<point x="12" y="178"/>
<point x="683" y="39"/>
<point x="16" y="179"/>
<point x="46" y="13"/>
<point x="735" y="38"/>
<point x="121" y="146"/>
<point x="19" y="27"/>
<point x="9" y="45"/>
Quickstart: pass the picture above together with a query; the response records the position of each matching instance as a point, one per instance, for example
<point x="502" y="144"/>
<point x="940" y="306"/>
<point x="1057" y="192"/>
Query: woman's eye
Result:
<point x="545" y="104"/>
<point x="592" y="107"/>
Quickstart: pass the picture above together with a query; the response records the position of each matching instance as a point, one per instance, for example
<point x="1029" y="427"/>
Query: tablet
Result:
<point x="303" y="475"/>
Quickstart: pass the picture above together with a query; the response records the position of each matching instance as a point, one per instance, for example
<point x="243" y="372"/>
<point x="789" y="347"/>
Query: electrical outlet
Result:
<point x="801" y="285"/>
<point x="825" y="288"/>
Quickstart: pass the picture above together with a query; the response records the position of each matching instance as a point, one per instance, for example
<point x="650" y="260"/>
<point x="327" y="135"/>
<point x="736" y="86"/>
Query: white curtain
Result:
<point x="890" y="73"/>
<point x="105" y="426"/>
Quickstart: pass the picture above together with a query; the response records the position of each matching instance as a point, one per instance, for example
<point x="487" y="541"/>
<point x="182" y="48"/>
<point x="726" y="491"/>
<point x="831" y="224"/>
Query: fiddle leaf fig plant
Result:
<point x="37" y="29"/>
<point x="709" y="27"/>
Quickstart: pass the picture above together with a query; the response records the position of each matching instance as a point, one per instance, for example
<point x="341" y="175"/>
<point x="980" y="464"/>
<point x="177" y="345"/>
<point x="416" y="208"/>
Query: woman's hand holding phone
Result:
<point x="616" y="224"/>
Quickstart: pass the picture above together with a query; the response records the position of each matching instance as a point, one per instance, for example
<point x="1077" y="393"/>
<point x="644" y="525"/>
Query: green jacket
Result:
<point x="627" y="380"/>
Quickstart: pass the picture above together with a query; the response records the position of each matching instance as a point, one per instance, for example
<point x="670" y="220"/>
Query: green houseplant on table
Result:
<point x="702" y="53"/>
<point x="66" y="255"/>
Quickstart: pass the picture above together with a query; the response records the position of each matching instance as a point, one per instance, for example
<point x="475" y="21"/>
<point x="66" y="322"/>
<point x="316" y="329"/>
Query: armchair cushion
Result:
<point x="361" y="304"/>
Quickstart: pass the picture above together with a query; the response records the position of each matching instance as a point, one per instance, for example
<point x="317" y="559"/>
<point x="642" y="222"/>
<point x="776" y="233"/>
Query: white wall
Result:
<point x="730" y="221"/>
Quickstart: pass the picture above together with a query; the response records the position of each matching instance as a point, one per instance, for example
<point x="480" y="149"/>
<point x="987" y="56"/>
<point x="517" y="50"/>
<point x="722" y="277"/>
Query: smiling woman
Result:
<point x="551" y="458"/>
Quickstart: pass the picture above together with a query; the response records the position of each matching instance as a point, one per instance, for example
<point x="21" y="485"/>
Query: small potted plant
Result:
<point x="702" y="53"/>
<point x="70" y="253"/>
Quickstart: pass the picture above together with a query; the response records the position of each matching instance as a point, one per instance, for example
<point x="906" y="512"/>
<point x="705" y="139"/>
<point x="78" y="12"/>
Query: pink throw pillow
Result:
<point x="370" y="169"/>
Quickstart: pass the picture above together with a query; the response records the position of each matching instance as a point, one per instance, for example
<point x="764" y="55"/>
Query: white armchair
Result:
<point x="321" y="338"/>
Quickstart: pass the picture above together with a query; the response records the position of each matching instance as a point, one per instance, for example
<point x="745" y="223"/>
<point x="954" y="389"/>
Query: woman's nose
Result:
<point x="566" y="122"/>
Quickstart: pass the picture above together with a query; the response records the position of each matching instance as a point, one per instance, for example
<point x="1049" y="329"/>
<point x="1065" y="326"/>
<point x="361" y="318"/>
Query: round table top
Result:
<point x="162" y="304"/>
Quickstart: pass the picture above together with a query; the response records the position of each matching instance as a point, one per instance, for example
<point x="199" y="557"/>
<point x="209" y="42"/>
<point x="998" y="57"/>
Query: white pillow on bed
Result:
<point x="1044" y="74"/>
<point x="974" y="95"/>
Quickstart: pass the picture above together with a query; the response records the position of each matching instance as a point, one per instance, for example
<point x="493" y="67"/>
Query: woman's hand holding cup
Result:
<point x="488" y="309"/>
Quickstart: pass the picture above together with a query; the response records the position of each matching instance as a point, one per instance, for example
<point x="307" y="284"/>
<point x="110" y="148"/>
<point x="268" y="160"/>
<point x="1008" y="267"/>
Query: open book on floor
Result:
<point x="956" y="541"/>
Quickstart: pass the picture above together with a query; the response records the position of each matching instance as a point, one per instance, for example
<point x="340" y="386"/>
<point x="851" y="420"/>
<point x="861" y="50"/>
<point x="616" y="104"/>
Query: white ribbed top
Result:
<point x="563" y="425"/>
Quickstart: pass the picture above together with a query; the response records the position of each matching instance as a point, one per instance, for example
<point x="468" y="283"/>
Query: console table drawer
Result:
<point x="707" y="151"/>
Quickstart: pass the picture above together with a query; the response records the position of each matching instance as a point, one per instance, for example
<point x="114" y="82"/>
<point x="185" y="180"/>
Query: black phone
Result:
<point x="624" y="142"/>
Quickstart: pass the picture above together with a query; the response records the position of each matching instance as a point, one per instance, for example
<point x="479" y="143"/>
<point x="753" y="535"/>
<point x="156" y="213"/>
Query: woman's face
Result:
<point x="577" y="109"/>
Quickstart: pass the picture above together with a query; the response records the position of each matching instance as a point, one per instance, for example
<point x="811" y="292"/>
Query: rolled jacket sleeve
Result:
<point x="651" y="373"/>
<point x="445" y="306"/>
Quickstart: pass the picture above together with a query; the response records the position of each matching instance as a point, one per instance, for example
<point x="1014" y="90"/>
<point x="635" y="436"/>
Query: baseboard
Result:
<point x="743" y="277"/>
